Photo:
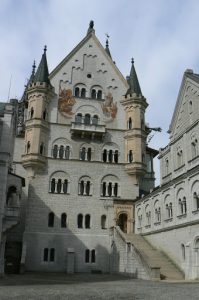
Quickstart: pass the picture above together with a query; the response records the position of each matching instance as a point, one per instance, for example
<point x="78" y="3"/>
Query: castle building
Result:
<point x="78" y="137"/>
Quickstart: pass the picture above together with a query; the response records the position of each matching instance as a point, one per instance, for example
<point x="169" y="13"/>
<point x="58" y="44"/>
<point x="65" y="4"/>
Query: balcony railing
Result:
<point x="87" y="130"/>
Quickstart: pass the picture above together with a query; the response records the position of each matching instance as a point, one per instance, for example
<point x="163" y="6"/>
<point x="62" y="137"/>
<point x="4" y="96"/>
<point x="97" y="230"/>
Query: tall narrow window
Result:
<point x="110" y="156"/>
<point x="130" y="123"/>
<point x="88" y="184"/>
<point x="67" y="152"/>
<point x="99" y="94"/>
<point x="104" y="189"/>
<point x="183" y="251"/>
<point x="59" y="186"/>
<point x="32" y="112"/>
<point x="89" y="151"/>
<point x="28" y="147"/>
<point x="65" y="186"/>
<point x="103" y="221"/>
<point x="41" y="149"/>
<point x="51" y="219"/>
<point x="116" y="189"/>
<point x="87" y="221"/>
<point x="61" y="152"/>
<point x="87" y="255"/>
<point x="63" y="220"/>
<point x="52" y="187"/>
<point x="116" y="156"/>
<point x="52" y="254"/>
<point x="95" y="120"/>
<point x="44" y="114"/>
<point x="80" y="221"/>
<point x="93" y="256"/>
<point x="83" y="153"/>
<point x="45" y="256"/>
<point x="110" y="189"/>
<point x="76" y="92"/>
<point x="55" y="151"/>
<point x="104" y="156"/>
<point x="93" y="94"/>
<point x="78" y="118"/>
<point x="130" y="156"/>
<point x="87" y="119"/>
<point x="83" y="93"/>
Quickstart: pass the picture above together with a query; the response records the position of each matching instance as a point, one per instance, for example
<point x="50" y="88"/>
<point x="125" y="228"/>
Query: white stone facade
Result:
<point x="169" y="216"/>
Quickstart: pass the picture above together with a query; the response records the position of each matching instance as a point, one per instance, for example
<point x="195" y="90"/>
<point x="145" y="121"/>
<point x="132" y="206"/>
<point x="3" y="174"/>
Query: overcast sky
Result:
<point x="161" y="35"/>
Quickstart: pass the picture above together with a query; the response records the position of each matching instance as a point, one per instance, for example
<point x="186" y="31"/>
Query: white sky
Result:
<point x="161" y="35"/>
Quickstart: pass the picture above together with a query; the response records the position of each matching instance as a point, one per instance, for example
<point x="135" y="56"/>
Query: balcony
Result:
<point x="87" y="130"/>
<point x="136" y="168"/>
<point x="11" y="217"/>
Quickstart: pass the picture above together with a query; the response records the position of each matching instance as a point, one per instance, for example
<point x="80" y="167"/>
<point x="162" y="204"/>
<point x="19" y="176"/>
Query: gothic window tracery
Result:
<point x="61" y="151"/>
<point x="110" y="187"/>
<point x="85" y="187"/>
<point x="59" y="183"/>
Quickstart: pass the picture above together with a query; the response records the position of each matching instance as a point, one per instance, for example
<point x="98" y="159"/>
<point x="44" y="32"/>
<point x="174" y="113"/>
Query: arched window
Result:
<point x="196" y="198"/>
<point x="116" y="189"/>
<point x="93" y="94"/>
<point x="143" y="158"/>
<point x="83" y="153"/>
<point x="88" y="184"/>
<point x="63" y="220"/>
<point x="110" y="189"/>
<point x="87" y="255"/>
<point x="81" y="187"/>
<point x="166" y="166"/>
<point x="103" y="221"/>
<point x="80" y="221"/>
<point x="32" y="112"/>
<point x="52" y="186"/>
<point x="76" y="92"/>
<point x="89" y="152"/>
<point x="59" y="186"/>
<point x="28" y="147"/>
<point x="95" y="120"/>
<point x="104" y="156"/>
<point x="104" y="189"/>
<point x="194" y="148"/>
<point x="99" y="94"/>
<point x="67" y="152"/>
<point x="78" y="118"/>
<point x="130" y="156"/>
<point x="110" y="156"/>
<point x="129" y="123"/>
<point x="87" y="221"/>
<point x="183" y="251"/>
<point x="87" y="119"/>
<point x="61" y="151"/>
<point x="65" y="186"/>
<point x="83" y="93"/>
<point x="93" y="256"/>
<point x="55" y="151"/>
<point x="116" y="156"/>
<point x="51" y="219"/>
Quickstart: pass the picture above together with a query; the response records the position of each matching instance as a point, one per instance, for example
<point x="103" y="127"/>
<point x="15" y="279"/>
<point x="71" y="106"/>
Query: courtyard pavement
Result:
<point x="41" y="286"/>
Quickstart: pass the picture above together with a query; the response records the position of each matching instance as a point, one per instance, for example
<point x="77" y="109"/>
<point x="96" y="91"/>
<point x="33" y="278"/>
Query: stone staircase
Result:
<point x="154" y="258"/>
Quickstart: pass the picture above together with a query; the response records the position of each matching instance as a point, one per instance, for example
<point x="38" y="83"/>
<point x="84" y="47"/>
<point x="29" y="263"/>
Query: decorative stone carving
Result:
<point x="66" y="102"/>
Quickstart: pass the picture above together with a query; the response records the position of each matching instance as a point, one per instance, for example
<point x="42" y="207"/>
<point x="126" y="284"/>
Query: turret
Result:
<point x="39" y="93"/>
<point x="135" y="137"/>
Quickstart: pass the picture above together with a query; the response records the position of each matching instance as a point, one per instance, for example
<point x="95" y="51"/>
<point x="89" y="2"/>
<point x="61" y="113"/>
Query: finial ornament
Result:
<point x="45" y="48"/>
<point x="132" y="60"/>
<point x="91" y="24"/>
<point x="33" y="67"/>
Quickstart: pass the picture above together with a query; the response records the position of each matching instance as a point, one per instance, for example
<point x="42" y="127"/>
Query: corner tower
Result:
<point x="39" y="93"/>
<point x="135" y="137"/>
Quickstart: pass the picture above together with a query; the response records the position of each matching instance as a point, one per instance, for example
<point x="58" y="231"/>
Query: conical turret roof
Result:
<point x="42" y="74"/>
<point x="134" y="86"/>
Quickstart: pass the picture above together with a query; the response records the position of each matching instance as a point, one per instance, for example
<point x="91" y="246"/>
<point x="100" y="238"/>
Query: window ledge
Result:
<point x="59" y="193"/>
<point x="180" y="167"/>
<point x="182" y="216"/>
<point x="157" y="223"/>
<point x="195" y="212"/>
<point x="168" y="220"/>
<point x="148" y="226"/>
<point x="167" y="175"/>
<point x="84" y="195"/>
<point x="195" y="157"/>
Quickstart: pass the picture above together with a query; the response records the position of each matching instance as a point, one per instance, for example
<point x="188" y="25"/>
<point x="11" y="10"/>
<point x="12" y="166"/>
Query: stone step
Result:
<point x="155" y="257"/>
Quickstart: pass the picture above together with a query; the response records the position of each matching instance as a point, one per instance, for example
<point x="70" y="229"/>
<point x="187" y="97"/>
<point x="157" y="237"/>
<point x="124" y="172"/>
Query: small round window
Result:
<point x="89" y="75"/>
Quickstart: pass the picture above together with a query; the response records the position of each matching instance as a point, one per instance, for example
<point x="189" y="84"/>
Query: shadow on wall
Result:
<point x="49" y="244"/>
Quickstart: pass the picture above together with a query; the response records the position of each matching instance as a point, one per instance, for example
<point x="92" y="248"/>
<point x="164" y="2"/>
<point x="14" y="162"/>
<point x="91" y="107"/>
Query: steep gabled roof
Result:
<point x="188" y="74"/>
<point x="90" y="34"/>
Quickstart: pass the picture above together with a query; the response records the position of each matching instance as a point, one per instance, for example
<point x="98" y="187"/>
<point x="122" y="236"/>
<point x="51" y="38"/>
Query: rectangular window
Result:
<point x="87" y="255"/>
<point x="52" y="254"/>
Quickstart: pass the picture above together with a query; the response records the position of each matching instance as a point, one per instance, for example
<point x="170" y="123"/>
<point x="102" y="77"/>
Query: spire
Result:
<point x="42" y="71"/>
<point x="31" y="79"/>
<point x="134" y="86"/>
<point x="91" y="27"/>
<point x="107" y="48"/>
